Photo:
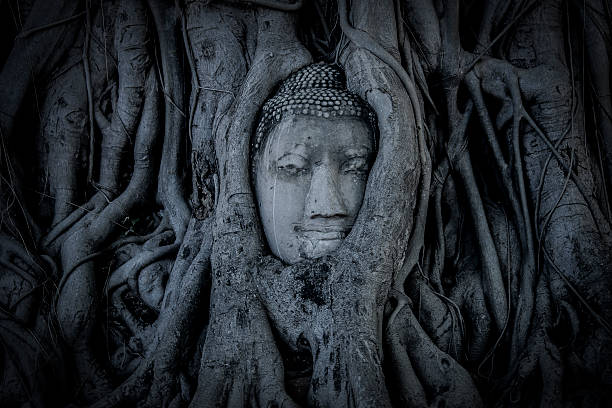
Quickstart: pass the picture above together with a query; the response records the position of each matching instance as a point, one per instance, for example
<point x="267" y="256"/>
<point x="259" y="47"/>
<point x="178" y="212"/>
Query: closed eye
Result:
<point x="292" y="164"/>
<point x="355" y="165"/>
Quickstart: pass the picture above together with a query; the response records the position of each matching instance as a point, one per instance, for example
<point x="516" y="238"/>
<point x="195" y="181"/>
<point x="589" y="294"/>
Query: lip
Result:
<point x="324" y="232"/>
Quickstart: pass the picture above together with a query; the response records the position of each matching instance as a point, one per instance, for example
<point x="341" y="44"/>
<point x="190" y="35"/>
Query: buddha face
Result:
<point x="310" y="177"/>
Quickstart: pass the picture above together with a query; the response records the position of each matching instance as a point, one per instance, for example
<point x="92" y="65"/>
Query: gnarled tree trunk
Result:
<point x="134" y="270"/>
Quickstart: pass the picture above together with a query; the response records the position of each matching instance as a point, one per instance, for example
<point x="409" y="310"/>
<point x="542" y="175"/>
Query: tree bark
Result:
<point x="134" y="270"/>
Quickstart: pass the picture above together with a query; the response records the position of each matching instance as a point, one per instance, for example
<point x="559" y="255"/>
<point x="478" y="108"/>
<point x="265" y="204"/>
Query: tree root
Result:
<point x="170" y="183"/>
<point x="492" y="277"/>
<point x="128" y="272"/>
<point x="77" y="308"/>
<point x="436" y="377"/>
<point x="89" y="91"/>
<point x="156" y="381"/>
<point x="133" y="66"/>
<point x="63" y="128"/>
<point x="65" y="227"/>
<point x="364" y="40"/>
<point x="142" y="333"/>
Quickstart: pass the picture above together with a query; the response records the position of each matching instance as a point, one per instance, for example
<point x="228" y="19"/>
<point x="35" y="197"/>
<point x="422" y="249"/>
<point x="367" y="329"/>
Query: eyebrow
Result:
<point x="291" y="153"/>
<point x="297" y="149"/>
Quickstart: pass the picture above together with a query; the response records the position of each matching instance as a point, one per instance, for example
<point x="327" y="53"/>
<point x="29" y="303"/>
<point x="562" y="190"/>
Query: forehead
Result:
<point x="336" y="133"/>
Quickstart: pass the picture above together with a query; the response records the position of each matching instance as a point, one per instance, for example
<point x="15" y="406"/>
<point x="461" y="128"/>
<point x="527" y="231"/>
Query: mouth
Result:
<point x="324" y="232"/>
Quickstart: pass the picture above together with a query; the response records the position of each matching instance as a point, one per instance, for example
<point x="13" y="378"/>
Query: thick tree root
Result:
<point x="76" y="305"/>
<point x="429" y="377"/>
<point x="157" y="380"/>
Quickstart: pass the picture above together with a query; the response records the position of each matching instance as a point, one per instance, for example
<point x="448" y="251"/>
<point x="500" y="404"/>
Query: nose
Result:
<point x="324" y="199"/>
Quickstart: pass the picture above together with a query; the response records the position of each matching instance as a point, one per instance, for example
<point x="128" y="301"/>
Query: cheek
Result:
<point x="281" y="202"/>
<point x="353" y="189"/>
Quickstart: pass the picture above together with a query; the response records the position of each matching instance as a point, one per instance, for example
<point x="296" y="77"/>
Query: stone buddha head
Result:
<point x="310" y="160"/>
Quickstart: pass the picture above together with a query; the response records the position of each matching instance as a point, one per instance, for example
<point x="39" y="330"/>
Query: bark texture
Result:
<point x="133" y="266"/>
